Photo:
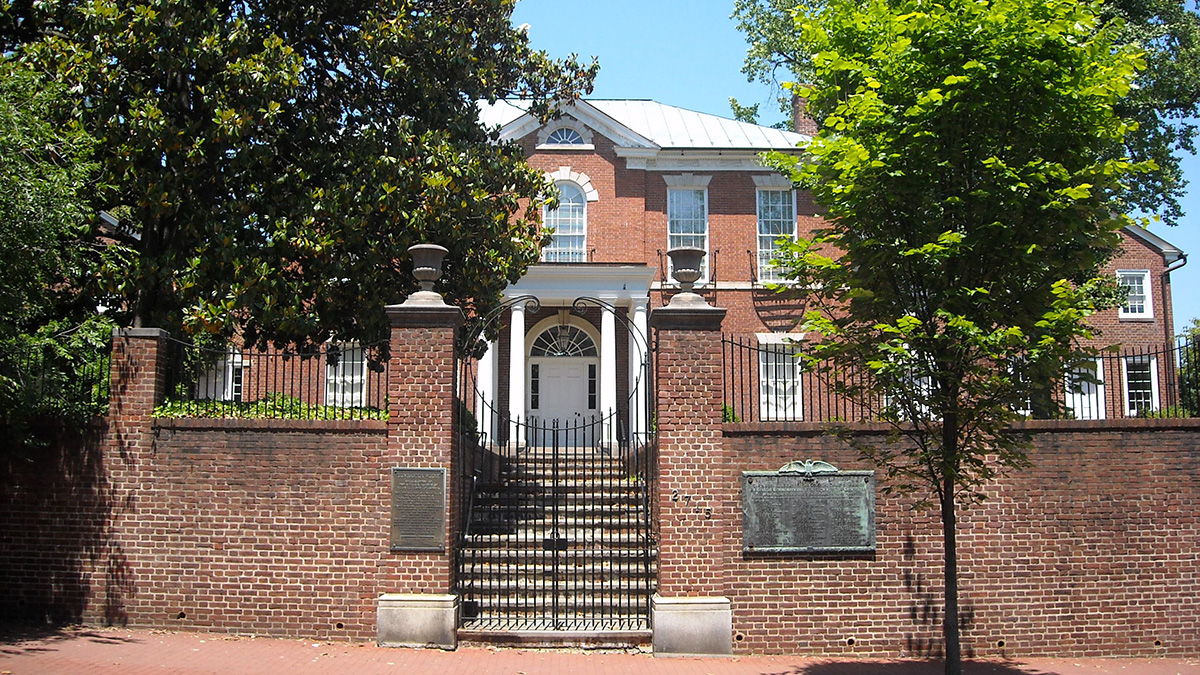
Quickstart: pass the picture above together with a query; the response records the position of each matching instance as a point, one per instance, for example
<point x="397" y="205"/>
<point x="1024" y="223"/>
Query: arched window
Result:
<point x="563" y="340"/>
<point x="565" y="136"/>
<point x="569" y="223"/>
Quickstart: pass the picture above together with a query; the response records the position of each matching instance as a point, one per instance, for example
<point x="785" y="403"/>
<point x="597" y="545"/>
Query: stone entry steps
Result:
<point x="560" y="554"/>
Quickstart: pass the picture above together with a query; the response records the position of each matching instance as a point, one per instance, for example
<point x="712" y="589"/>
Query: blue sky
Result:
<point x="689" y="53"/>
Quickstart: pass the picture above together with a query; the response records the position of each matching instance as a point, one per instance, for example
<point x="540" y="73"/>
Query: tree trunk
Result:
<point x="950" y="555"/>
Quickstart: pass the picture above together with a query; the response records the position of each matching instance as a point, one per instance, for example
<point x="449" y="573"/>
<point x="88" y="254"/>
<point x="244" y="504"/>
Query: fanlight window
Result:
<point x="565" y="136"/>
<point x="569" y="223"/>
<point x="563" y="341"/>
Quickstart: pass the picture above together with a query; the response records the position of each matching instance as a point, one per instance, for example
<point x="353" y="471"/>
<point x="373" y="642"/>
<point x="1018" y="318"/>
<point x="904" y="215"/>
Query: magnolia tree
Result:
<point x="966" y="165"/>
<point x="275" y="160"/>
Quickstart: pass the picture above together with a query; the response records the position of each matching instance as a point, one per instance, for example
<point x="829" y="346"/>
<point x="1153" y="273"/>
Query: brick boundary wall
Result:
<point x="281" y="528"/>
<point x="265" y="527"/>
<point x="1092" y="551"/>
<point x="55" y="510"/>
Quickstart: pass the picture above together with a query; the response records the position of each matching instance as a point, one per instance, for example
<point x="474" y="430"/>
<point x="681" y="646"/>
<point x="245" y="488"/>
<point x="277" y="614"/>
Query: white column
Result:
<point x="485" y="410"/>
<point x="516" y="370"/>
<point x="638" y="386"/>
<point x="608" y="372"/>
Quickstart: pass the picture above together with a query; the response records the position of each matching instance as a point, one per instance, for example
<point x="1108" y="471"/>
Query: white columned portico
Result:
<point x="623" y="287"/>
<point x="516" y="371"/>
<point x="637" y="367"/>
<point x="608" y="371"/>
<point x="486" y="389"/>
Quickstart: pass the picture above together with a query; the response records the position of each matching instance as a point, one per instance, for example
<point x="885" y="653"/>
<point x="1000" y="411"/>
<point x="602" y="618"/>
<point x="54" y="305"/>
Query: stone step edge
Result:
<point x="599" y="639"/>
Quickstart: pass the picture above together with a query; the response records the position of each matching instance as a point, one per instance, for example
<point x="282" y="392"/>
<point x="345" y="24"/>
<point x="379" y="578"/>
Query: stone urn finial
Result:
<point x="427" y="263"/>
<point x="427" y="268"/>
<point x="685" y="268"/>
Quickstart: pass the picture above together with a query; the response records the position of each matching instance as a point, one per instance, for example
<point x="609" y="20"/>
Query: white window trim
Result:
<point x="344" y="390"/>
<point x="1096" y="406"/>
<point x="545" y="214"/>
<point x="764" y="270"/>
<point x="790" y="408"/>
<point x="1148" y="292"/>
<point x="1129" y="411"/>
<point x="566" y="175"/>
<point x="691" y="182"/>
<point x="217" y="383"/>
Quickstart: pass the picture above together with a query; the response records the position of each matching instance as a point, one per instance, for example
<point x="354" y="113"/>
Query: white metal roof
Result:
<point x="672" y="127"/>
<point x="501" y="112"/>
<point x="665" y="125"/>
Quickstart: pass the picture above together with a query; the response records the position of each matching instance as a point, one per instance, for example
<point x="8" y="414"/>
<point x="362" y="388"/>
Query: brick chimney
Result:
<point x="802" y="122"/>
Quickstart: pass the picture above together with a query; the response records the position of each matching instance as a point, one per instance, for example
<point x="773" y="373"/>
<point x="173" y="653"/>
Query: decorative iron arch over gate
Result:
<point x="557" y="531"/>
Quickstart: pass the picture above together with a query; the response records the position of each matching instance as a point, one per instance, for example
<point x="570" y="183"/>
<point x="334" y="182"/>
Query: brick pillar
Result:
<point x="419" y="609"/>
<point x="137" y="383"/>
<point x="138" y="373"/>
<point x="696" y="492"/>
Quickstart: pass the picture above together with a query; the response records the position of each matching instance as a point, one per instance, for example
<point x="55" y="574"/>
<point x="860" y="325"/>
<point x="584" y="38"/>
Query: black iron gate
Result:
<point x="557" y="532"/>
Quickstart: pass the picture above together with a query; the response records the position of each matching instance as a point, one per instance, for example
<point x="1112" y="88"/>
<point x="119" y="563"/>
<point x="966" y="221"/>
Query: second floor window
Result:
<point x="569" y="222"/>
<point x="1137" y="299"/>
<point x="687" y="222"/>
<point x="776" y="219"/>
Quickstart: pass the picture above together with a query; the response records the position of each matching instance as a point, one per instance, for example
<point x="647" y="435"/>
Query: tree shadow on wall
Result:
<point x="778" y="310"/>
<point x="56" y="544"/>
<point x="925" y="612"/>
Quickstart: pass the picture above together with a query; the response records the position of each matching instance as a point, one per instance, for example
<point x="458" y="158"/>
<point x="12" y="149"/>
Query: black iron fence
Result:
<point x="557" y="531"/>
<point x="335" y="381"/>
<point x="50" y="381"/>
<point x="769" y="382"/>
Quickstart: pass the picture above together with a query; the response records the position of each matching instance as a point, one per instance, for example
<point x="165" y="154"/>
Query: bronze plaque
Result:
<point x="418" y="509"/>
<point x="808" y="513"/>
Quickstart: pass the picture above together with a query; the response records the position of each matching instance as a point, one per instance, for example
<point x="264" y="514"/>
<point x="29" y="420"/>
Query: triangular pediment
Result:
<point x="524" y="123"/>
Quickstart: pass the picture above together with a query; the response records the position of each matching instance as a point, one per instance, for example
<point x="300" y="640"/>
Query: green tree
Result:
<point x="743" y="113"/>
<point x="770" y="32"/>
<point x="1189" y="369"/>
<point x="52" y="341"/>
<point x="277" y="158"/>
<point x="964" y="164"/>
<point x="1165" y="103"/>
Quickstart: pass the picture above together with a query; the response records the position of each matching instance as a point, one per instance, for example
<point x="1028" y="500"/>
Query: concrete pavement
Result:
<point x="113" y="651"/>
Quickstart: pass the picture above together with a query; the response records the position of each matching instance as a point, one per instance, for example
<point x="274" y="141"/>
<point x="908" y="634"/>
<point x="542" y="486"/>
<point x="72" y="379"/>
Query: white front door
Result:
<point x="563" y="396"/>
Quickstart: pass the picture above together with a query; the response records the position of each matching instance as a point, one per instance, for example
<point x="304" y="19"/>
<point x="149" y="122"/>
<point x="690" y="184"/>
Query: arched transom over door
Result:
<point x="564" y="373"/>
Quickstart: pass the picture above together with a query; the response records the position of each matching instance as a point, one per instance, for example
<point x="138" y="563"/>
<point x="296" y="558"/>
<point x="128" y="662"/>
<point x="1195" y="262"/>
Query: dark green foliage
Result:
<point x="1166" y="101"/>
<point x="277" y="159"/>
<point x="51" y="380"/>
<point x="1189" y="370"/>
<point x="53" y="344"/>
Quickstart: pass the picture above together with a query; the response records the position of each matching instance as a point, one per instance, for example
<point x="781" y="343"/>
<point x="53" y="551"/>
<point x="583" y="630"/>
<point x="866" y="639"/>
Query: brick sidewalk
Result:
<point x="104" y="651"/>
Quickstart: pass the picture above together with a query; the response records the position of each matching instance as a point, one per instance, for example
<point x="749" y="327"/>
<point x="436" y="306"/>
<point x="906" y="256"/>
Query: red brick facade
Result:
<point x="628" y="223"/>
